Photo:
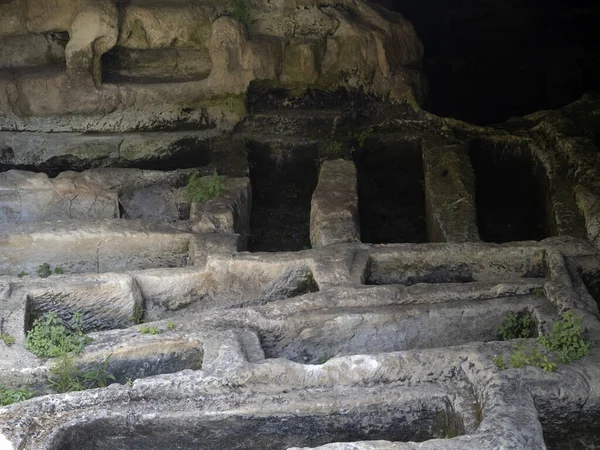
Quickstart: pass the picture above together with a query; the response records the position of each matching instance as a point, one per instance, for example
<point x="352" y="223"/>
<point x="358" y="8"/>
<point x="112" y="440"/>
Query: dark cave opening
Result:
<point x="592" y="283"/>
<point x="390" y="192"/>
<point x="489" y="61"/>
<point x="283" y="177"/>
<point x="512" y="194"/>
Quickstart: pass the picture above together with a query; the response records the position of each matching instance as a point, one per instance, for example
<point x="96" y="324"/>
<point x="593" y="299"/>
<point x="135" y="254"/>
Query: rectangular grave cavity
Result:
<point x="238" y="282"/>
<point x="403" y="420"/>
<point x="159" y="356"/>
<point x="512" y="193"/>
<point x="109" y="246"/>
<point x="104" y="303"/>
<point x="460" y="266"/>
<point x="161" y="65"/>
<point x="31" y="52"/>
<point x="283" y="177"/>
<point x="316" y="338"/>
<point x="391" y="192"/>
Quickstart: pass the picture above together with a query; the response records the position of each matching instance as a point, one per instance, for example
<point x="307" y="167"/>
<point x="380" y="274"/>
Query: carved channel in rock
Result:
<point x="405" y="420"/>
<point x="104" y="303"/>
<point x="283" y="176"/>
<point x="461" y="267"/>
<point x="317" y="338"/>
<point x="512" y="193"/>
<point x="230" y="283"/>
<point x="32" y="53"/>
<point x="391" y="191"/>
<point x="95" y="247"/>
<point x="161" y="65"/>
<point x="59" y="152"/>
<point x="142" y="360"/>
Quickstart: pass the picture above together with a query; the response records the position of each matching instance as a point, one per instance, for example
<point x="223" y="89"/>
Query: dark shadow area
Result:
<point x="457" y="268"/>
<point x="488" y="61"/>
<point x="582" y="436"/>
<point x="592" y="282"/>
<point x="283" y="177"/>
<point x="391" y="196"/>
<point x="511" y="194"/>
<point x="185" y="153"/>
<point x="435" y="418"/>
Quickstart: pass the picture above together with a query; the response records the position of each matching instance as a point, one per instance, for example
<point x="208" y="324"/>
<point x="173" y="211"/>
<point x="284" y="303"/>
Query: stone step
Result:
<point x="56" y="152"/>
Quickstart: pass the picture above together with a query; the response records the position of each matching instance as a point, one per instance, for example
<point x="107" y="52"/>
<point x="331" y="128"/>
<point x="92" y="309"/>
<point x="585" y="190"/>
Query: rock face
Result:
<point x="114" y="57"/>
<point x="347" y="345"/>
<point x="335" y="271"/>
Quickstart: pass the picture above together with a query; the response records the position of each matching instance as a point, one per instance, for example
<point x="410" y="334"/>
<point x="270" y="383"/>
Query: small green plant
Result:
<point x="171" y="326"/>
<point x="539" y="292"/>
<point x="99" y="376"/>
<point x="361" y="136"/>
<point x="564" y="344"/>
<point x="203" y="191"/>
<point x="51" y="337"/>
<point x="138" y="314"/>
<point x="499" y="362"/>
<point x="565" y="340"/>
<point x="65" y="376"/>
<point x="516" y="326"/>
<point x="334" y="149"/>
<point x="145" y="329"/>
<point x="7" y="339"/>
<point x="241" y="11"/>
<point x="44" y="270"/>
<point x="10" y="396"/>
<point x="450" y="208"/>
<point x="22" y="274"/>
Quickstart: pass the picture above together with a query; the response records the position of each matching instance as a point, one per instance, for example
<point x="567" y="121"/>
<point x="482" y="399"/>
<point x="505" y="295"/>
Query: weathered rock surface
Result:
<point x="90" y="195"/>
<point x="350" y="44"/>
<point x="228" y="213"/>
<point x="334" y="206"/>
<point x="347" y="345"/>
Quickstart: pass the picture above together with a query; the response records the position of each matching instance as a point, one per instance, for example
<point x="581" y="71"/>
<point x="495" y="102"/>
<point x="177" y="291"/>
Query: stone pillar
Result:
<point x="449" y="195"/>
<point x="334" y="207"/>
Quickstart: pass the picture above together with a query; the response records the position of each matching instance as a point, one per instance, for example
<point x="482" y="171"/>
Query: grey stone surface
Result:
<point x="344" y="346"/>
<point x="449" y="188"/>
<point x="105" y="302"/>
<point x="28" y="197"/>
<point x="229" y="213"/>
<point x="334" y="206"/>
<point x="96" y="246"/>
<point x="155" y="203"/>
